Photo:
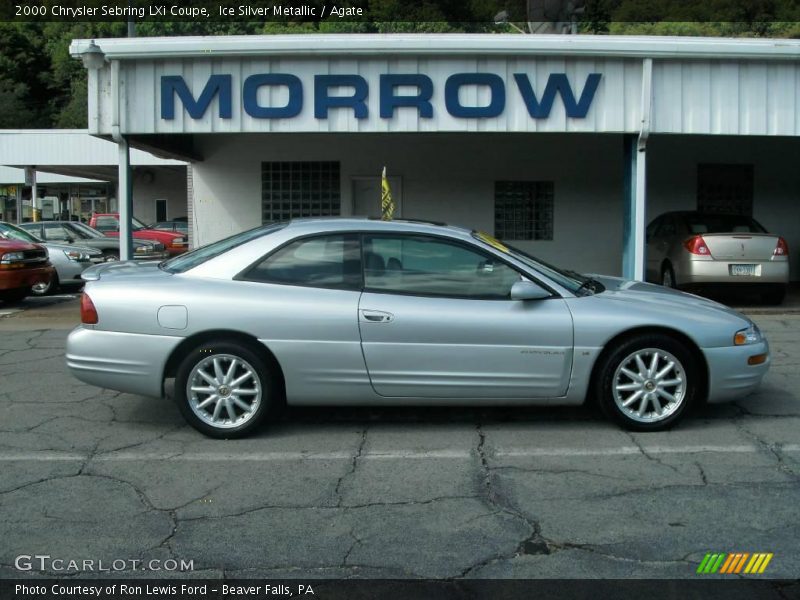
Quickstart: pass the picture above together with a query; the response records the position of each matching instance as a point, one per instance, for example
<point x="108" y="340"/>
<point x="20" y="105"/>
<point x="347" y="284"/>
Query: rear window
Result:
<point x="184" y="262"/>
<point x="699" y="224"/>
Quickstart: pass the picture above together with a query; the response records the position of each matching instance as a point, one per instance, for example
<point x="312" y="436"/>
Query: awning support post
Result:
<point x="124" y="200"/>
<point x="635" y="185"/>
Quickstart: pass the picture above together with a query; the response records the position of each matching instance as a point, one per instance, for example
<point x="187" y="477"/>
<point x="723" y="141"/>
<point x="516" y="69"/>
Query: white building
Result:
<point x="565" y="145"/>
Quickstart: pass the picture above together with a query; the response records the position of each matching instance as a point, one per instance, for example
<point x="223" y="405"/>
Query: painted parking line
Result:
<point x="393" y="455"/>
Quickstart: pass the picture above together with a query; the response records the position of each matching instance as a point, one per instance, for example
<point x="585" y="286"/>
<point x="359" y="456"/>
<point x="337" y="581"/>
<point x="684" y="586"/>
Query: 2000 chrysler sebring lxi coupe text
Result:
<point x="355" y="311"/>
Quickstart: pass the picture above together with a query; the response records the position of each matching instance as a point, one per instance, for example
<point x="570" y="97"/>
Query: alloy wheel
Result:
<point x="224" y="391"/>
<point x="649" y="385"/>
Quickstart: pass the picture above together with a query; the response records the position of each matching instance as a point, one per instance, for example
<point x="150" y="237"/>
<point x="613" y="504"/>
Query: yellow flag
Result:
<point x="387" y="204"/>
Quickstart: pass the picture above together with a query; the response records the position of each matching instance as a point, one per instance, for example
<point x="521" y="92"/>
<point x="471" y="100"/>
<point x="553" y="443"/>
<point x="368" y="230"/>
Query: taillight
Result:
<point x="782" y="248"/>
<point x="88" y="311"/>
<point x="697" y="245"/>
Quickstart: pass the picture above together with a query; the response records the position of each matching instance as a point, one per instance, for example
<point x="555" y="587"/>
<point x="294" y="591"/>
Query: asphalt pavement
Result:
<point x="91" y="474"/>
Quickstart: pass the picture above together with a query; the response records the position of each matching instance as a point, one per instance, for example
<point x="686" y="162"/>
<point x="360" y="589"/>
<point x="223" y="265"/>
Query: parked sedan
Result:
<point x="694" y="249"/>
<point x="73" y="232"/>
<point x="22" y="265"/>
<point x="69" y="261"/>
<point x="354" y="311"/>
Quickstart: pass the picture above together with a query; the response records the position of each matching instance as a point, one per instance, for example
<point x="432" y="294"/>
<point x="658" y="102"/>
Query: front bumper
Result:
<point x="729" y="375"/>
<point x="151" y="256"/>
<point x="126" y="362"/>
<point x="13" y="279"/>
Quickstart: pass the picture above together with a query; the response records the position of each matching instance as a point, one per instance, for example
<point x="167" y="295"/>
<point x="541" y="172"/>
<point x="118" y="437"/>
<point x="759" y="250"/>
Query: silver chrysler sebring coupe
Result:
<point x="360" y="312"/>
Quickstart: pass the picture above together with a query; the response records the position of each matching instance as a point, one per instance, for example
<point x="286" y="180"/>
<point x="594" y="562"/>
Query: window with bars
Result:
<point x="523" y="210"/>
<point x="725" y="189"/>
<point x="290" y="190"/>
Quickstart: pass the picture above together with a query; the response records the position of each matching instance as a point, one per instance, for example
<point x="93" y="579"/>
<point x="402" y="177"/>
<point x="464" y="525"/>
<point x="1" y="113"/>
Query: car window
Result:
<point x="54" y="231"/>
<point x="430" y="266"/>
<point x="12" y="232"/>
<point x="667" y="228"/>
<point x="106" y="224"/>
<point x="327" y="261"/>
<point x="84" y="231"/>
<point x="654" y="229"/>
<point x="189" y="260"/>
<point x="702" y="223"/>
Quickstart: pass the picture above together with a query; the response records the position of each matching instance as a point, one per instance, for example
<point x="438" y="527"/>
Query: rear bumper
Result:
<point x="696" y="272"/>
<point x="126" y="362"/>
<point x="730" y="377"/>
<point x="21" y="278"/>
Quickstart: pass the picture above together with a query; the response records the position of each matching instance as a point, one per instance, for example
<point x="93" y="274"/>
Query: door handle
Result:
<point x="376" y="316"/>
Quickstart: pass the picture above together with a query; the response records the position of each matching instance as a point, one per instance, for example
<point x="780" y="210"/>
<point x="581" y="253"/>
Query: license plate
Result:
<point x="746" y="270"/>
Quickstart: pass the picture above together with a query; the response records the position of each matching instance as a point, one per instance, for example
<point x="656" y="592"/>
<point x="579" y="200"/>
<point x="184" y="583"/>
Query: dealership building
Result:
<point x="566" y="146"/>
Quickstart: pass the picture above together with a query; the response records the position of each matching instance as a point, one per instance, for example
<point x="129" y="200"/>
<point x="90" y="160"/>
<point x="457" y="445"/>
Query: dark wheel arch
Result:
<point x="191" y="342"/>
<point x="700" y="360"/>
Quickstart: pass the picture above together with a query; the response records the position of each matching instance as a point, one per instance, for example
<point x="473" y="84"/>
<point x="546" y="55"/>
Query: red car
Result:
<point x="108" y="223"/>
<point x="22" y="265"/>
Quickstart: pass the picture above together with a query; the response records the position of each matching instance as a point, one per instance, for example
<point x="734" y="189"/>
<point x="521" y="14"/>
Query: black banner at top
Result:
<point x="524" y="16"/>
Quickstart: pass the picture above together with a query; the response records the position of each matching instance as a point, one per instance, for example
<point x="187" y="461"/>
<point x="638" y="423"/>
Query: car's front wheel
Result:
<point x="647" y="383"/>
<point x="47" y="287"/>
<point x="668" y="277"/>
<point x="224" y="389"/>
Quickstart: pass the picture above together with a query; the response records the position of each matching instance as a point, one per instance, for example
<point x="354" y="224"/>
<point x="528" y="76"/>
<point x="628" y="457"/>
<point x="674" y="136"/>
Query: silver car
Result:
<point x="68" y="260"/>
<point x="361" y="312"/>
<point x="696" y="250"/>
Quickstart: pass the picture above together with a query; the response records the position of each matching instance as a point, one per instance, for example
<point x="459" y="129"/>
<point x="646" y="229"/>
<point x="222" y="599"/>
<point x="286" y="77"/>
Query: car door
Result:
<point x="437" y="321"/>
<point x="301" y="301"/>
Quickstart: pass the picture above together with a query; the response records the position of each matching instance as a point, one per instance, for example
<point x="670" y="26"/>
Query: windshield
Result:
<point x="137" y="224"/>
<point x="10" y="232"/>
<point x="574" y="282"/>
<point x="84" y="230"/>
<point x="184" y="262"/>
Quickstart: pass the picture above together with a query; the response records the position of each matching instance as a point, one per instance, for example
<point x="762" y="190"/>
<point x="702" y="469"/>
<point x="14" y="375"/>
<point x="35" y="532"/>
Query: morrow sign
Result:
<point x="221" y="87"/>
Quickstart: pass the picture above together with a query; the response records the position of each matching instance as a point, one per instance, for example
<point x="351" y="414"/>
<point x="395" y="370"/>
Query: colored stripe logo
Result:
<point x="734" y="563"/>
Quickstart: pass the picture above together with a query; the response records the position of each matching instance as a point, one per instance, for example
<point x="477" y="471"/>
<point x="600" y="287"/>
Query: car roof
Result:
<point x="320" y="224"/>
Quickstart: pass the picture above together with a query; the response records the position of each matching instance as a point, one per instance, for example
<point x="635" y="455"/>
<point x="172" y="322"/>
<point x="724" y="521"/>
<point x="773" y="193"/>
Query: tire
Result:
<point x="110" y="256"/>
<point x="774" y="297"/>
<point x="14" y="296"/>
<point x="214" y="419"/>
<point x="51" y="287"/>
<point x="668" y="277"/>
<point x="683" y="389"/>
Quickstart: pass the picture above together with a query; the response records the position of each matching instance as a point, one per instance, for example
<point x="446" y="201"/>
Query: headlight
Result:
<point x="10" y="257"/>
<point x="178" y="241"/>
<point x="76" y="255"/>
<point x="751" y="335"/>
<point x="140" y="249"/>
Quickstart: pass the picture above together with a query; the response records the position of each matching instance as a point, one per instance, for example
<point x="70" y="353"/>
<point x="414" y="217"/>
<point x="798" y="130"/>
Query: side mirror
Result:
<point x="527" y="290"/>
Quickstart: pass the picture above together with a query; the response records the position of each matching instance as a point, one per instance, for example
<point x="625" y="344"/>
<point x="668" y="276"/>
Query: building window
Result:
<point x="299" y="189"/>
<point x="725" y="189"/>
<point x="523" y="210"/>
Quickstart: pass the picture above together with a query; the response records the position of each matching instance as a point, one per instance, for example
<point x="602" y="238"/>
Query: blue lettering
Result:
<point x="493" y="109"/>
<point x="250" y="96"/>
<point x="323" y="101"/>
<point x="557" y="83"/>
<point x="174" y="84"/>
<point x="421" y="101"/>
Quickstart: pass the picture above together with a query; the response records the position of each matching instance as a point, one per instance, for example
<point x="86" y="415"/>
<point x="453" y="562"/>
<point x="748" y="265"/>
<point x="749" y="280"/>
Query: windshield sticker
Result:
<point x="493" y="242"/>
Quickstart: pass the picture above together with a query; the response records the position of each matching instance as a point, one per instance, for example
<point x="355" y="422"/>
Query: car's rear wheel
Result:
<point x="668" y="276"/>
<point x="224" y="389"/>
<point x="647" y="383"/>
<point x="44" y="288"/>
<point x="774" y="296"/>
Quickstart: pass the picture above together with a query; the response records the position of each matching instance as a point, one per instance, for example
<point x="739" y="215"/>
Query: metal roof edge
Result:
<point x="442" y="44"/>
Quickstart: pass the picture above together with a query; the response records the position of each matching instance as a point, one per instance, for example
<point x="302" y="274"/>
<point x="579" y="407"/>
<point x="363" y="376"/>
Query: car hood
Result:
<point x="70" y="248"/>
<point x="7" y="245"/>
<point x="128" y="268"/>
<point x="658" y="297"/>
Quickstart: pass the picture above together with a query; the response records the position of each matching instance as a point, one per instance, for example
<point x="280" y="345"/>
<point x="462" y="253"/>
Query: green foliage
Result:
<point x="41" y="85"/>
